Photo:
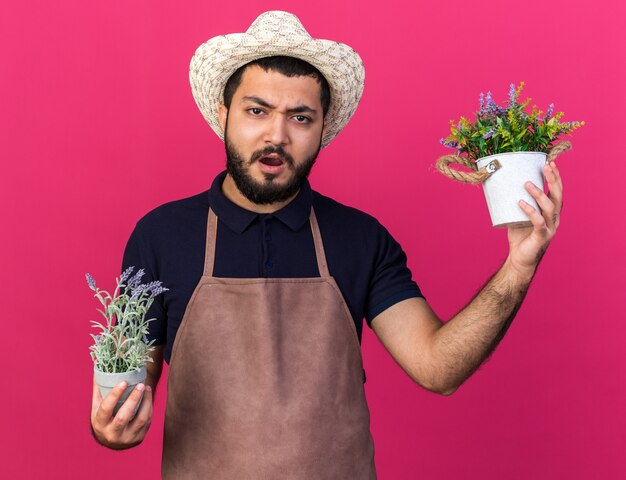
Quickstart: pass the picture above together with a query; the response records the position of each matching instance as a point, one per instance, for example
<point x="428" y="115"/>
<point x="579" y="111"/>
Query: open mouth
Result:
<point x="271" y="160"/>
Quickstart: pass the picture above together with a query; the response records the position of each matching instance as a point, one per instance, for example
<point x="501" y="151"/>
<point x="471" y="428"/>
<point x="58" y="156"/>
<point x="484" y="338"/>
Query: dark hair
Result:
<point x="288" y="66"/>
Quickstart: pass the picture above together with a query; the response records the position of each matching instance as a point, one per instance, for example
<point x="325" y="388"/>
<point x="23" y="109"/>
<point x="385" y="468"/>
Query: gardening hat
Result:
<point x="277" y="33"/>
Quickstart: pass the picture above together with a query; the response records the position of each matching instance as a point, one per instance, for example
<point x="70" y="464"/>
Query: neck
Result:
<point x="230" y="190"/>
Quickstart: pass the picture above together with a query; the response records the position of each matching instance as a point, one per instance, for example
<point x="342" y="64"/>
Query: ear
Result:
<point x="223" y="113"/>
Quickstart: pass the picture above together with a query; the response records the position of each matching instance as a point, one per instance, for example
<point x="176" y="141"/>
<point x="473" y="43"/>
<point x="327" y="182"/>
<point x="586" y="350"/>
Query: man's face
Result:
<point x="273" y="133"/>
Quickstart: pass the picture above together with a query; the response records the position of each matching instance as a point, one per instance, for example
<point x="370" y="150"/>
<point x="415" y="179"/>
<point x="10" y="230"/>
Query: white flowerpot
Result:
<point x="106" y="382"/>
<point x="505" y="187"/>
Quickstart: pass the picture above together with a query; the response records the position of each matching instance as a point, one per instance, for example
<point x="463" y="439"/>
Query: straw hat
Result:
<point x="277" y="33"/>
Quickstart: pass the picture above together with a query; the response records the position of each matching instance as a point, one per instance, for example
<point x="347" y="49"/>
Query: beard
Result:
<point x="268" y="191"/>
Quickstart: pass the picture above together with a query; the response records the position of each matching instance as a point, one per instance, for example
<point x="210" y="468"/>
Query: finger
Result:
<point x="125" y="414"/>
<point x="144" y="414"/>
<point x="554" y="188"/>
<point x="557" y="174"/>
<point x="538" y="221"/>
<point x="548" y="208"/>
<point x="105" y="411"/>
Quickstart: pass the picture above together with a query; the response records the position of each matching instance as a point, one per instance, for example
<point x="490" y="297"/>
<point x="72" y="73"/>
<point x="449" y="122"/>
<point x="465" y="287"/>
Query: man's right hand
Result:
<point x="122" y="430"/>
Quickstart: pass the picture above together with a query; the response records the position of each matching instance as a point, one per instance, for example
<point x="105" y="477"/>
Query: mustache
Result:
<point x="279" y="151"/>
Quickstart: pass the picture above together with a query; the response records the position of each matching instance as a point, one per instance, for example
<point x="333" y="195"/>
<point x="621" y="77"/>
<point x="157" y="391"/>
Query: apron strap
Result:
<point x="211" y="235"/>
<point x="322" y="265"/>
<point x="211" y="240"/>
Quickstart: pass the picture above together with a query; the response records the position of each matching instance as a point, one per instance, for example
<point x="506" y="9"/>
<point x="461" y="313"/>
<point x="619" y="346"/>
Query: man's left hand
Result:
<point x="527" y="245"/>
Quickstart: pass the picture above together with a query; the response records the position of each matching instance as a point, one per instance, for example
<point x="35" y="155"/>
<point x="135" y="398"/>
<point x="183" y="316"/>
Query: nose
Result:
<point x="277" y="133"/>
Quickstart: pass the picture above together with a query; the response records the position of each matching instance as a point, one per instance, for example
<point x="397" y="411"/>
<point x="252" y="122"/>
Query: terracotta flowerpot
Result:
<point x="505" y="187"/>
<point x="106" y="382"/>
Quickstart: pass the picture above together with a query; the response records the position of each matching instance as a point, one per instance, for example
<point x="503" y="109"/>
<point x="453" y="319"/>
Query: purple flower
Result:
<point x="491" y="105"/>
<point x="451" y="144"/>
<point x="549" y="113"/>
<point x="136" y="278"/>
<point x="136" y="292"/>
<point x="489" y="134"/>
<point x="481" y="101"/>
<point x="151" y="285"/>
<point x="155" y="288"/>
<point x="126" y="274"/>
<point x="512" y="95"/>
<point x="91" y="281"/>
<point x="158" y="291"/>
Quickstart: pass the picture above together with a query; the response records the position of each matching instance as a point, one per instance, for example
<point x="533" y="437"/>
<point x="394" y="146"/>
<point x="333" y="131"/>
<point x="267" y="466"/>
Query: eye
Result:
<point x="302" y="119"/>
<point x="255" y="111"/>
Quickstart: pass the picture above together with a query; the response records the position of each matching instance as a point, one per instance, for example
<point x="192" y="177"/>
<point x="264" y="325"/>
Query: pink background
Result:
<point x="98" y="126"/>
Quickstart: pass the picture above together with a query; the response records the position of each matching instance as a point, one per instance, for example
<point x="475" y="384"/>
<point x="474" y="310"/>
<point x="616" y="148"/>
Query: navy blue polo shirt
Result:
<point x="368" y="265"/>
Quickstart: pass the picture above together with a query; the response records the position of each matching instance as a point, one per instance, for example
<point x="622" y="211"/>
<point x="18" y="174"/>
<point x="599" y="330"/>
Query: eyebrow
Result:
<point x="263" y="103"/>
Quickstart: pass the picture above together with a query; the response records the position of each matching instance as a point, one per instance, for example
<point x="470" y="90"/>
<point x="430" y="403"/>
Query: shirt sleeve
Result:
<point x="139" y="254"/>
<point x="391" y="280"/>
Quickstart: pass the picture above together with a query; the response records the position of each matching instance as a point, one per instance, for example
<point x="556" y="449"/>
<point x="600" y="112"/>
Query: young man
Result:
<point x="269" y="281"/>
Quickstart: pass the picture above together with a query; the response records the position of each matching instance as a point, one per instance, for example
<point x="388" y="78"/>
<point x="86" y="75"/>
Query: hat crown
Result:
<point x="277" y="21"/>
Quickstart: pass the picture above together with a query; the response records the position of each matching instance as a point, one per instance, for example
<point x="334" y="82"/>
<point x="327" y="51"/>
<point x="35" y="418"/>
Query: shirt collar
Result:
<point x="295" y="214"/>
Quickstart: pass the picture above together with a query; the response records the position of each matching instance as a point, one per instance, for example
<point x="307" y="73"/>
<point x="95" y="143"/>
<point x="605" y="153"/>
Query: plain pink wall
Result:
<point x="98" y="126"/>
